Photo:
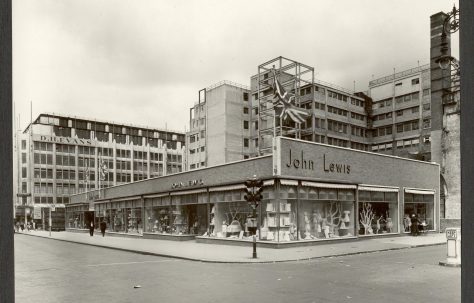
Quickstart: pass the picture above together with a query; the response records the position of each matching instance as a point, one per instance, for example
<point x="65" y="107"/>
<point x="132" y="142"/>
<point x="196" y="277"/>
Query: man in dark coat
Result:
<point x="414" y="225"/>
<point x="91" y="228"/>
<point x="103" y="226"/>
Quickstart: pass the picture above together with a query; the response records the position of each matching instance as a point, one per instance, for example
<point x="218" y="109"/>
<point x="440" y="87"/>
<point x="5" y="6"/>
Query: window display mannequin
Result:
<point x="378" y="226"/>
<point x="211" y="225"/>
<point x="307" y="227"/>
<point x="389" y="225"/>
<point x="343" y="228"/>
<point x="224" y="228"/>
<point x="317" y="223"/>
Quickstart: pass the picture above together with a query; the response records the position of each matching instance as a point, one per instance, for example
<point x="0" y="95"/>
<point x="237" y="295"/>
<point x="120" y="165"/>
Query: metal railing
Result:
<point x="399" y="75"/>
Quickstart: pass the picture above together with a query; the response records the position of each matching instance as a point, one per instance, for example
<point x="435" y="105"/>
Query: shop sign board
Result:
<point x="63" y="140"/>
<point x="308" y="160"/>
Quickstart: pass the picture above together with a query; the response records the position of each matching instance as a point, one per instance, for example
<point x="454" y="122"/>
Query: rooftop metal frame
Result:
<point x="292" y="75"/>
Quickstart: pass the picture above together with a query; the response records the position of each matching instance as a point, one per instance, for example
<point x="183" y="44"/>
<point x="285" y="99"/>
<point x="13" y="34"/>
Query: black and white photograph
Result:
<point x="236" y="151"/>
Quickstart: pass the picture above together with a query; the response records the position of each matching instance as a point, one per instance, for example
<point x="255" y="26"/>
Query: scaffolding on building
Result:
<point x="292" y="75"/>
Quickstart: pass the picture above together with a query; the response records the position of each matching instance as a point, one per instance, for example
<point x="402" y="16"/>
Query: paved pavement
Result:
<point x="190" y="250"/>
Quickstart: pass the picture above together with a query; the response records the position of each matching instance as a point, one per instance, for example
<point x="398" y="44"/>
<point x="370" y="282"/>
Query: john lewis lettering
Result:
<point x="306" y="164"/>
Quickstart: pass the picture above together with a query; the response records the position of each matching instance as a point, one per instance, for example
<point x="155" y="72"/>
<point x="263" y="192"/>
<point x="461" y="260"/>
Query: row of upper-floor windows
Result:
<point x="197" y="150"/>
<point x="86" y="150"/>
<point x="197" y="165"/>
<point x="194" y="138"/>
<point x="400" y="144"/>
<point x="415" y="109"/>
<point x="61" y="123"/>
<point x="402" y="127"/>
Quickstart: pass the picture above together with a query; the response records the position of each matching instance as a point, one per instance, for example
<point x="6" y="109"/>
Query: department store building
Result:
<point x="312" y="192"/>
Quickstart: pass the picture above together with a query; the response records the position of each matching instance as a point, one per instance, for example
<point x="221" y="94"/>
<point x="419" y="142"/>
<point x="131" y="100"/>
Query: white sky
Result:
<point x="143" y="62"/>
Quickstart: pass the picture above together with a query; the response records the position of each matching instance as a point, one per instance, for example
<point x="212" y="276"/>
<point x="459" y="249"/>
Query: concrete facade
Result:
<point x="219" y="126"/>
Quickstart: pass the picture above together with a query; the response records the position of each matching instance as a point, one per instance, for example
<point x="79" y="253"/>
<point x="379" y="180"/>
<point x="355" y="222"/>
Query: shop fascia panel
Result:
<point x="328" y="185"/>
<point x="419" y="191"/>
<point x="378" y="188"/>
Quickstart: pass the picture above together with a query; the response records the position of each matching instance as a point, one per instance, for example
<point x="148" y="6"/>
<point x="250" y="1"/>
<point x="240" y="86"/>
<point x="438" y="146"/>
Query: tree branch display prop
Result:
<point x="366" y="217"/>
<point x="333" y="216"/>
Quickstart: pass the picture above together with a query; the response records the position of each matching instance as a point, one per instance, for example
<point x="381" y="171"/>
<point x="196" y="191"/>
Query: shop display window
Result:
<point x="231" y="216"/>
<point x="279" y="218"/>
<point x="119" y="222"/>
<point x="177" y="215"/>
<point x="134" y="220"/>
<point x="325" y="213"/>
<point x="75" y="219"/>
<point x="378" y="212"/>
<point x="422" y="206"/>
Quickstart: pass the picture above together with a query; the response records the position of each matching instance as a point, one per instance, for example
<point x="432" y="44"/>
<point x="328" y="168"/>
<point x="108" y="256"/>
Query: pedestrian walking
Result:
<point x="91" y="228"/>
<point x="414" y="225"/>
<point x="103" y="226"/>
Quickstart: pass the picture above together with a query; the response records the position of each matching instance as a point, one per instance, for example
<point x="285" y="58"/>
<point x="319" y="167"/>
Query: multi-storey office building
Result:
<point x="63" y="155"/>
<point x="219" y="126"/>
<point x="401" y="113"/>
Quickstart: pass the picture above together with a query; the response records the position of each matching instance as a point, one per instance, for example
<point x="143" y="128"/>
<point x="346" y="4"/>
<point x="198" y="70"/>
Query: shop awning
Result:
<point x="188" y="192"/>
<point x="379" y="188"/>
<point x="156" y="195"/>
<point x="419" y="191"/>
<point x="43" y="205"/>
<point x="328" y="185"/>
<point x="268" y="182"/>
<point x="126" y="199"/>
<point x="289" y="182"/>
<point x="228" y="187"/>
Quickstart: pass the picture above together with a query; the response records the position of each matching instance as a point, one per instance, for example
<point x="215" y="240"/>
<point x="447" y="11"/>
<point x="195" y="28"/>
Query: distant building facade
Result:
<point x="401" y="114"/>
<point x="62" y="155"/>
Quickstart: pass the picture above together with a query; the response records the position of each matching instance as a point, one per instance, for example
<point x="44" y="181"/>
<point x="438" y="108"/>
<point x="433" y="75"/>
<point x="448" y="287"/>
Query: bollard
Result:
<point x="453" y="237"/>
<point x="254" y="255"/>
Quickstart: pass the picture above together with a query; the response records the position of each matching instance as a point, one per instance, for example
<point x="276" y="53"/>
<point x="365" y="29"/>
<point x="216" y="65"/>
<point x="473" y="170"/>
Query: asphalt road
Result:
<point x="54" y="271"/>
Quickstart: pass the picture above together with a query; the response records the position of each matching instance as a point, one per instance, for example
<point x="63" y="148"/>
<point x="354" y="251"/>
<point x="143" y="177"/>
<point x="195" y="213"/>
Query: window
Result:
<point x="246" y="142"/>
<point x="246" y="124"/>
<point x="426" y="106"/>
<point x="399" y="112"/>
<point x="426" y="123"/>
<point x="415" y="81"/>
<point x="415" y="125"/>
<point x="426" y="92"/>
<point x="398" y="84"/>
<point x="415" y="109"/>
<point x="246" y="96"/>
<point x="246" y="110"/>
<point x="23" y="157"/>
<point x="23" y="144"/>
<point x="388" y="130"/>
<point x="400" y="128"/>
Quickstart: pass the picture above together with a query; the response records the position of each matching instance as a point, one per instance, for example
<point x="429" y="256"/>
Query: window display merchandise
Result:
<point x="325" y="213"/>
<point x="378" y="210"/>
<point x="177" y="215"/>
<point x="422" y="205"/>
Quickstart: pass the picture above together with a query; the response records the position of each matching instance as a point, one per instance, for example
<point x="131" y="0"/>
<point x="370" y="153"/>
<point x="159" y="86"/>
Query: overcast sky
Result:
<point x="143" y="62"/>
